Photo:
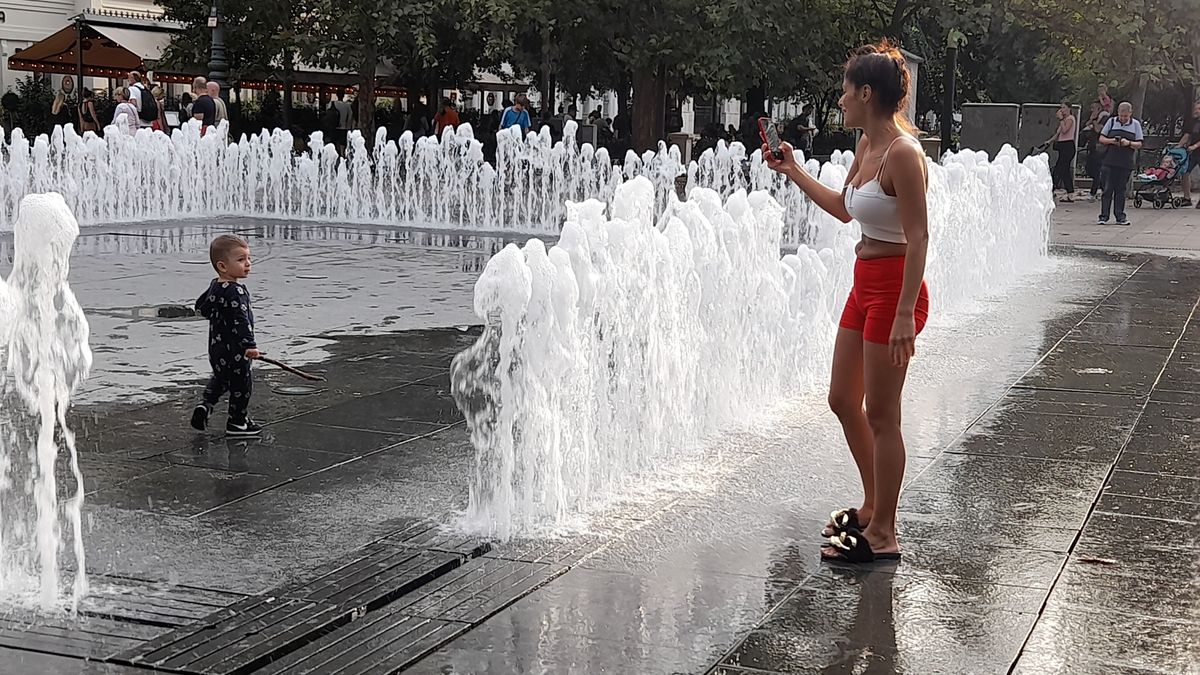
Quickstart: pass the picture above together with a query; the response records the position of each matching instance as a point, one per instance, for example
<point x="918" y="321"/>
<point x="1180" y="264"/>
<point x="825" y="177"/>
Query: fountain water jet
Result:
<point x="427" y="182"/>
<point x="44" y="344"/>
<point x="621" y="348"/>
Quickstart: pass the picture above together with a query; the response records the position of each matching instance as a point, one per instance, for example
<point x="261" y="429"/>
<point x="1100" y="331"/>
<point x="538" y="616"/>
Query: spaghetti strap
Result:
<point x="883" y="159"/>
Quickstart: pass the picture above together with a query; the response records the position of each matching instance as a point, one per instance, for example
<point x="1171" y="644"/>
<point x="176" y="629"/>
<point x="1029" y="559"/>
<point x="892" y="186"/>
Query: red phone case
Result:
<point x="762" y="132"/>
<point x="762" y="129"/>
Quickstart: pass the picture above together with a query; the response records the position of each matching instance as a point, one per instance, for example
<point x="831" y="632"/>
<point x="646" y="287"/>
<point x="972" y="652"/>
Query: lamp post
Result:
<point x="217" y="65"/>
<point x="79" y="57"/>
<point x="954" y="40"/>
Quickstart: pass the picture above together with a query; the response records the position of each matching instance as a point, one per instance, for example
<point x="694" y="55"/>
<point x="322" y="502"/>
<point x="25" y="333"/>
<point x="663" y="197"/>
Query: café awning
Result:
<point x="110" y="46"/>
<point x="114" y="44"/>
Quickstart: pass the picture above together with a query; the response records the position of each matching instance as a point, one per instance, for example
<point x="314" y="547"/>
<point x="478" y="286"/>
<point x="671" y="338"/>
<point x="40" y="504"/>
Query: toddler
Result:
<point x="1165" y="169"/>
<point x="231" y="347"/>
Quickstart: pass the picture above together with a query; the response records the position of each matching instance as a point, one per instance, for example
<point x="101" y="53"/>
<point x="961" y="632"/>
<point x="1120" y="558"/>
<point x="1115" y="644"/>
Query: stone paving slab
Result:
<point x="1110" y="519"/>
<point x="1040" y="473"/>
<point x="1165" y="231"/>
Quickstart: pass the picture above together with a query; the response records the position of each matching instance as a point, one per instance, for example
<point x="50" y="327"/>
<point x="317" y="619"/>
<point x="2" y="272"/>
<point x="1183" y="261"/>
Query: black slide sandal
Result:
<point x="851" y="547"/>
<point x="842" y="521"/>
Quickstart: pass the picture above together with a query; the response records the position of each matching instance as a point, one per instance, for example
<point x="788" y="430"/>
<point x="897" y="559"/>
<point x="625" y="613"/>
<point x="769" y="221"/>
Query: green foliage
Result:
<point x="271" y="109"/>
<point x="1015" y="50"/>
<point x="33" y="113"/>
<point x="1002" y="60"/>
<point x="1134" y="46"/>
<point x="257" y="34"/>
<point x="105" y="106"/>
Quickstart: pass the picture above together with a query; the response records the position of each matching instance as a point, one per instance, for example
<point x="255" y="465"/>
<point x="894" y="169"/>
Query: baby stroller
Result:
<point x="1156" y="187"/>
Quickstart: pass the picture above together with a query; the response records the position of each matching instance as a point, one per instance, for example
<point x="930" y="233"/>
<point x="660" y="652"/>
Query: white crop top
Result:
<point x="876" y="211"/>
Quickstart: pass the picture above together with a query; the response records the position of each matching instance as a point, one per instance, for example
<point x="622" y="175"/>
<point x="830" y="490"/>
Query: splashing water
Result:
<point x="44" y="343"/>
<point x="428" y="182"/>
<point x="431" y="182"/>
<point x="622" y="347"/>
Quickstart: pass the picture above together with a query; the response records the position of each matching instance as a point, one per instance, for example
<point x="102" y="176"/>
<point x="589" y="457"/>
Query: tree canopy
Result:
<point x="1015" y="50"/>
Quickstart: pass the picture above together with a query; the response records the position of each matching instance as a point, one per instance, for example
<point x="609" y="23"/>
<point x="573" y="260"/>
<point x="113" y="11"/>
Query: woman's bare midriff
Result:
<point x="870" y="249"/>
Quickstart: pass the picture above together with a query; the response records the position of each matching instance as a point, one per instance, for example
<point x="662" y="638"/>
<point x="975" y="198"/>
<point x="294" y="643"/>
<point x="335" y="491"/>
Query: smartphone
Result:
<point x="770" y="136"/>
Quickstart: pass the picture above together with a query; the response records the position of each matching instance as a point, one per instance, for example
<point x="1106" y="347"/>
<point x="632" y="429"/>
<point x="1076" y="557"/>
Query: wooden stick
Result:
<point x="294" y="371"/>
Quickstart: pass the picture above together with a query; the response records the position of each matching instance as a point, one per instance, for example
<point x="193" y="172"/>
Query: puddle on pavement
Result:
<point x="297" y="390"/>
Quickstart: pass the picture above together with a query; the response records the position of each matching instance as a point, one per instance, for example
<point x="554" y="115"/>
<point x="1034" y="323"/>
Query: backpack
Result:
<point x="149" y="108"/>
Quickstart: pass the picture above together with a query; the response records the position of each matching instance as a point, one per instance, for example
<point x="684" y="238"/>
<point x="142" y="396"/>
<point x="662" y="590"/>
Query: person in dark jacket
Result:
<point x="231" y="346"/>
<point x="1123" y="136"/>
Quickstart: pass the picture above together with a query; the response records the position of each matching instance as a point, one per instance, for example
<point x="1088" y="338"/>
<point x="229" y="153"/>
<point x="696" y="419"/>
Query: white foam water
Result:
<point x="44" y="345"/>
<point x="429" y="182"/>
<point x="625" y="345"/>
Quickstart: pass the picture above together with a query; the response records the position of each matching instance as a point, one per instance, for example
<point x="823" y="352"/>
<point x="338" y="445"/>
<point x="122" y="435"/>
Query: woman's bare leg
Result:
<point x="884" y="384"/>
<point x="846" y="400"/>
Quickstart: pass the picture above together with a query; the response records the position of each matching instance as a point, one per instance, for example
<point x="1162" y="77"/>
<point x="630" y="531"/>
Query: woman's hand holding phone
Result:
<point x="781" y="165"/>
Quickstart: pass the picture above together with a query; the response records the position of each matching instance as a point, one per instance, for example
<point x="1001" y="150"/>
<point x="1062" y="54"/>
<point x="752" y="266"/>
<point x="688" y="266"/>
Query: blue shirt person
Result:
<point x="517" y="115"/>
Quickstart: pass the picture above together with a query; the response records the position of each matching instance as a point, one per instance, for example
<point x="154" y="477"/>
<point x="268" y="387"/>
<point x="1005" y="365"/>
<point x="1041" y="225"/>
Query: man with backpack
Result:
<point x="142" y="99"/>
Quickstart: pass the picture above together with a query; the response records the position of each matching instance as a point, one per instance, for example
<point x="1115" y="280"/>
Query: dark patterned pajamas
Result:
<point x="226" y="305"/>
<point x="238" y="383"/>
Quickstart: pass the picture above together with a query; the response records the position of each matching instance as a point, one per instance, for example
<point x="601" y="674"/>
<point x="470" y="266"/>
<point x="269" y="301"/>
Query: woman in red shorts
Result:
<point x="889" y="303"/>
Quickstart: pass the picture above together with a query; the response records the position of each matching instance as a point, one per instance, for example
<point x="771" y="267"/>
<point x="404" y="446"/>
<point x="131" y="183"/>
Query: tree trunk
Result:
<point x="660" y="106"/>
<point x="645" y="86"/>
<point x="947" y="116"/>
<point x="546" y="84"/>
<point x="289" y="78"/>
<point x="366" y="94"/>
<point x="1137" y="96"/>
<point x="623" y="95"/>
<point x="897" y="20"/>
<point x="756" y="99"/>
<point x="1195" y="68"/>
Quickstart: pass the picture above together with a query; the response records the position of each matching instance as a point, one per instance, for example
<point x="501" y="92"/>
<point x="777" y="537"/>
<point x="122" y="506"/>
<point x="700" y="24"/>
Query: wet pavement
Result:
<point x="310" y="284"/>
<point x="1168" y="231"/>
<point x="1048" y="519"/>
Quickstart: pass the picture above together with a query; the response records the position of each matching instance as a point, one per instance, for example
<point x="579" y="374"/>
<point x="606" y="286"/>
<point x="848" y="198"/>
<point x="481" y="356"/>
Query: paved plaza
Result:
<point x="1167" y="231"/>
<point x="1048" y="523"/>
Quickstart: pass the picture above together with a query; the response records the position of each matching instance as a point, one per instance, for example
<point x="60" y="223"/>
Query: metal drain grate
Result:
<point x="259" y="630"/>
<point x="239" y="639"/>
<point x="383" y="643"/>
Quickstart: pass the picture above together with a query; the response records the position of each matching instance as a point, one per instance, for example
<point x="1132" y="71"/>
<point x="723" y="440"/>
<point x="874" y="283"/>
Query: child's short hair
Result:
<point x="222" y="246"/>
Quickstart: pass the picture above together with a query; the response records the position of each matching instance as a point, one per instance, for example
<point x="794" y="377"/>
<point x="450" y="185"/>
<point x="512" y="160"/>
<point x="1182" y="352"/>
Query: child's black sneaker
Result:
<point x="245" y="429"/>
<point x="200" y="417"/>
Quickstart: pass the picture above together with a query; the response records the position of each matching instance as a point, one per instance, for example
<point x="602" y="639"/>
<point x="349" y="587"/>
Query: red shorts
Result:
<point x="871" y="307"/>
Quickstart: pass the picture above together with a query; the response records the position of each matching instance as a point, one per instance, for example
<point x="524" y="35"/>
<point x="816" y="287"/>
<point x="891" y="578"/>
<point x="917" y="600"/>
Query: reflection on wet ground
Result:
<point x="1048" y="520"/>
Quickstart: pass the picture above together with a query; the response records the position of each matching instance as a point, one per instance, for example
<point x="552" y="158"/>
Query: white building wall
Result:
<point x="27" y="21"/>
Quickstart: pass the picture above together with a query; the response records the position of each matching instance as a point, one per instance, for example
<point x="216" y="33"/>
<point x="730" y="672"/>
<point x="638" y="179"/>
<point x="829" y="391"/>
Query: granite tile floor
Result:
<point x="1048" y="521"/>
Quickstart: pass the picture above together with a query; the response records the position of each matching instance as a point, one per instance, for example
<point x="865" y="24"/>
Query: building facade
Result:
<point x="23" y="22"/>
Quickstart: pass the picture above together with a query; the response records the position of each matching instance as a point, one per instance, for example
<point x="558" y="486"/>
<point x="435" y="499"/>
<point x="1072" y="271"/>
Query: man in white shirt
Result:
<point x="345" y="120"/>
<point x="136" y="87"/>
<point x="214" y="92"/>
<point x="345" y="112"/>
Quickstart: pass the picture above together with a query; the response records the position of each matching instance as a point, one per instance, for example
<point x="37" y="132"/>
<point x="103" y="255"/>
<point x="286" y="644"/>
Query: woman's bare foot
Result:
<point x="880" y="541"/>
